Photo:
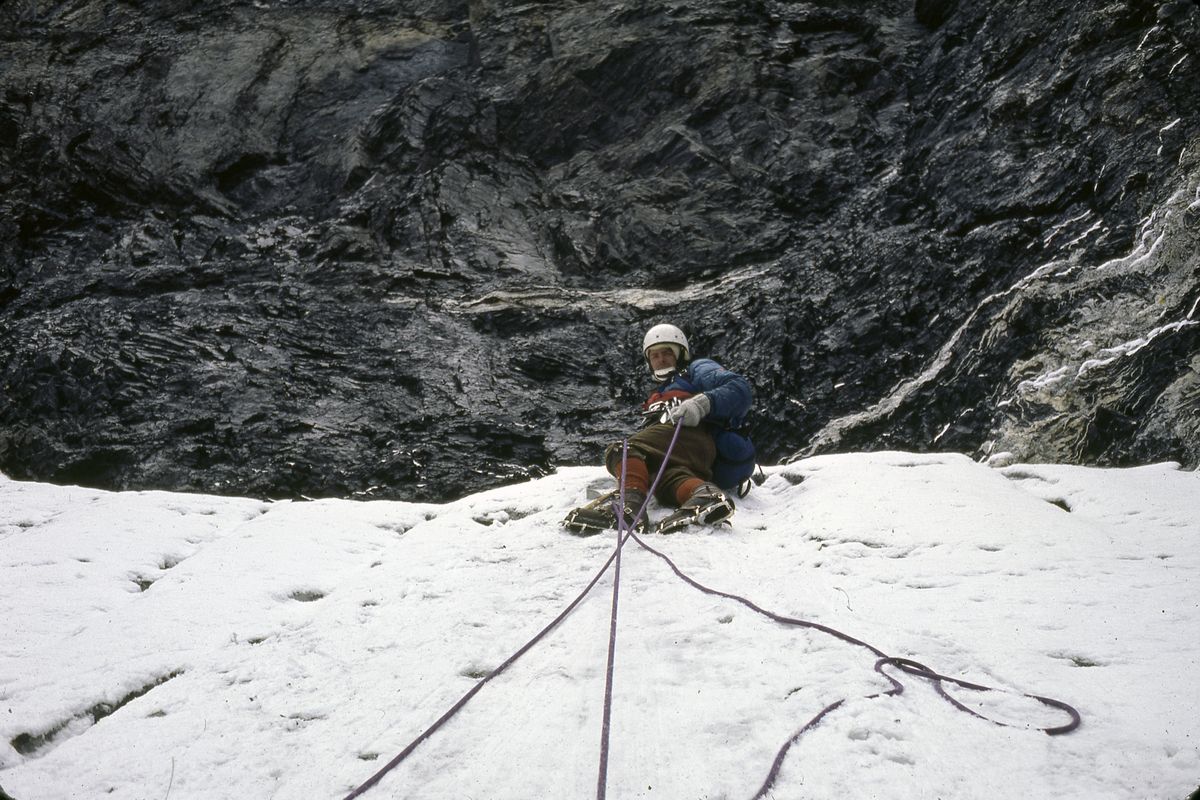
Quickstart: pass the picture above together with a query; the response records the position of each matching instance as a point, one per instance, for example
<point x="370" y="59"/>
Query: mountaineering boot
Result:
<point x="600" y="514"/>
<point x="593" y="518"/>
<point x="708" y="505"/>
<point x="635" y="513"/>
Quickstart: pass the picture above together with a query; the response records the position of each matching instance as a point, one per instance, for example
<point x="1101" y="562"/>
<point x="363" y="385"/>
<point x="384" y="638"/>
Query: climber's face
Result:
<point x="661" y="357"/>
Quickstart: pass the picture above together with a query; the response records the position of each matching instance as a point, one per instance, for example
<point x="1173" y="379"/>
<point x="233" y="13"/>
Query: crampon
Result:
<point x="600" y="514"/>
<point x="708" y="506"/>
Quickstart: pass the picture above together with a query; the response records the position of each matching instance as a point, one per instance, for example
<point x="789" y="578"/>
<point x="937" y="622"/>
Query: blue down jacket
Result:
<point x="731" y="398"/>
<point x="729" y="392"/>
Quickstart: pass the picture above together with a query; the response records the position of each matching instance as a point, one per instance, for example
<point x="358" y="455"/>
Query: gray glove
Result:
<point x="691" y="411"/>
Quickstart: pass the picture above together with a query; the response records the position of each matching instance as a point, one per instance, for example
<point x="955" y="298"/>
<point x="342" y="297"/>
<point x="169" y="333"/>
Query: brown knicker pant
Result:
<point x="692" y="457"/>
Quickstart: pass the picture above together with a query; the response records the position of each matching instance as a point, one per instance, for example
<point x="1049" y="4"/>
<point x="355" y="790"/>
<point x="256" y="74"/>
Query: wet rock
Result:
<point x="408" y="250"/>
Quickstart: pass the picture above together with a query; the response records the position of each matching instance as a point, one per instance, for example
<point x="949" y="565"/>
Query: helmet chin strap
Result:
<point x="664" y="373"/>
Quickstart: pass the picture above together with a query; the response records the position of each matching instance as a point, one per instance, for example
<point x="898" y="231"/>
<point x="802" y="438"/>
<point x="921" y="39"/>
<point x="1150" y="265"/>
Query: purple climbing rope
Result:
<point x="442" y="720"/>
<point x="466" y="698"/>
<point x="605" y="724"/>
<point x="623" y="534"/>
<point x="906" y="665"/>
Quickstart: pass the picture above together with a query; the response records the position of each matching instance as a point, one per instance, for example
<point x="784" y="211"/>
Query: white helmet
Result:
<point x="668" y="335"/>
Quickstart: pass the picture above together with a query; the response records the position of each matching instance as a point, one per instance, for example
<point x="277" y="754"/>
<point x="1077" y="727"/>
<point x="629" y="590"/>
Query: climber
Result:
<point x="708" y="400"/>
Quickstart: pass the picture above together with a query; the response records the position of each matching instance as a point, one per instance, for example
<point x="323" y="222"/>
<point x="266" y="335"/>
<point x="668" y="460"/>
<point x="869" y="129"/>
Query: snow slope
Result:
<point x="178" y="646"/>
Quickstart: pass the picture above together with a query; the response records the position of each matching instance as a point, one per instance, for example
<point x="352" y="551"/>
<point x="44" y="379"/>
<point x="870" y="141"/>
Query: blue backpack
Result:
<point x="735" y="460"/>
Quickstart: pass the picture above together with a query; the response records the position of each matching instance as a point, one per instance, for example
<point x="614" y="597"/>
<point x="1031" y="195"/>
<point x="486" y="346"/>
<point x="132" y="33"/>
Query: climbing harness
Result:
<point x="624" y="533"/>
<point x="659" y="413"/>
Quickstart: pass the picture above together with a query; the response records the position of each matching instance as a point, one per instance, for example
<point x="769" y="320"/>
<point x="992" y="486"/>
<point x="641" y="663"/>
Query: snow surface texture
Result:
<point x="179" y="646"/>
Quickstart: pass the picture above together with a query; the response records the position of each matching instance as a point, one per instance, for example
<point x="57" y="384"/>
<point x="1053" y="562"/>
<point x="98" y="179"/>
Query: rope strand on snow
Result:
<point x="466" y="698"/>
<point x="907" y="665"/>
<point x="403" y="754"/>
<point x="623" y="533"/>
<point x="622" y="526"/>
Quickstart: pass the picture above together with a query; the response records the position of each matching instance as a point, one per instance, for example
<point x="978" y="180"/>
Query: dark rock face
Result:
<point x="409" y="249"/>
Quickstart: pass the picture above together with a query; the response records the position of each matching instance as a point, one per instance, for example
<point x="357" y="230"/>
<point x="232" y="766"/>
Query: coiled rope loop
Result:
<point x="904" y="664"/>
